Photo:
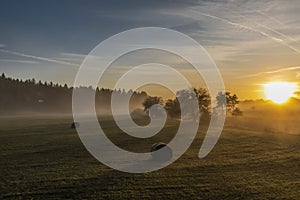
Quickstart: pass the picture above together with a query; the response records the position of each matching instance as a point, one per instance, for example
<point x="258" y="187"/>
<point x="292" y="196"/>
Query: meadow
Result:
<point x="43" y="158"/>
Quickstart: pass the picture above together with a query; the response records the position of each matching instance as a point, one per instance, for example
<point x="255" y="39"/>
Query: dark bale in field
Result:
<point x="164" y="155"/>
<point x="75" y="125"/>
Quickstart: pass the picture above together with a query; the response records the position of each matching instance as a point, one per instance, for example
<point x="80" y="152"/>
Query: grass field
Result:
<point x="43" y="158"/>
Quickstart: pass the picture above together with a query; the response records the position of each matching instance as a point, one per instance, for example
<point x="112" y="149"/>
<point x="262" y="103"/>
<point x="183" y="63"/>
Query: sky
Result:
<point x="251" y="42"/>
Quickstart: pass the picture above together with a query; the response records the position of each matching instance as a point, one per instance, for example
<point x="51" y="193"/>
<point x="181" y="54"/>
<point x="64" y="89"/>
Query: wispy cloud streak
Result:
<point x="271" y="72"/>
<point x="39" y="58"/>
<point x="18" y="61"/>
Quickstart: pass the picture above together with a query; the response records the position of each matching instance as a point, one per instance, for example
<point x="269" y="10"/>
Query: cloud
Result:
<point x="2" y="45"/>
<point x="39" y="58"/>
<point x="19" y="61"/>
<point x="298" y="75"/>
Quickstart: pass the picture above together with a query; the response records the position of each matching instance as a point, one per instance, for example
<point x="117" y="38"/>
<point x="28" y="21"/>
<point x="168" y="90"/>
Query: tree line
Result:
<point x="36" y="96"/>
<point x="201" y="96"/>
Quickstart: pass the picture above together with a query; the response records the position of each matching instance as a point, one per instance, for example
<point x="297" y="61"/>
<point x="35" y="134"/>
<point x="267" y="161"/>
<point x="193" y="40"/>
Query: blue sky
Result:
<point x="252" y="42"/>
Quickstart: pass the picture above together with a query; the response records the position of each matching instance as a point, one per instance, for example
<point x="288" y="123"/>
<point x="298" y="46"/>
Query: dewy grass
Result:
<point x="46" y="159"/>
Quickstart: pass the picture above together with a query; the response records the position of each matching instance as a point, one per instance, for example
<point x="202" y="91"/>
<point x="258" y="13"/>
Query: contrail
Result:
<point x="271" y="72"/>
<point x="241" y="26"/>
<point x="229" y="22"/>
<point x="271" y="18"/>
<point x="39" y="58"/>
<point x="278" y="33"/>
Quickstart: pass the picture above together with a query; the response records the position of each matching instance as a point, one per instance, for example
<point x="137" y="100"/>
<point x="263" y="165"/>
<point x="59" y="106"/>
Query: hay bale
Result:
<point x="75" y="125"/>
<point x="164" y="154"/>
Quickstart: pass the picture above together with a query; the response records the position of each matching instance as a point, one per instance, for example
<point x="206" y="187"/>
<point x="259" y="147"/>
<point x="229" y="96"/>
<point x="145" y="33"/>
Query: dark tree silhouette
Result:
<point x="230" y="103"/>
<point x="150" y="101"/>
<point x="204" y="100"/>
<point x="187" y="98"/>
<point x="173" y="107"/>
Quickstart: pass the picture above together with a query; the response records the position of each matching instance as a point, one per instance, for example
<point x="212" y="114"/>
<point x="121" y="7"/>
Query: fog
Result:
<point x="270" y="117"/>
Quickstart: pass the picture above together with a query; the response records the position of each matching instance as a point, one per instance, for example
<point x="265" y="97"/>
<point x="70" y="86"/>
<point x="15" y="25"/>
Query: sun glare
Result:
<point x="279" y="92"/>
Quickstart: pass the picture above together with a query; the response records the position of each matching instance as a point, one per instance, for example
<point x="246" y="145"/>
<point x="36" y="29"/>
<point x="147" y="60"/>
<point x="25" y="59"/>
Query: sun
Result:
<point x="279" y="92"/>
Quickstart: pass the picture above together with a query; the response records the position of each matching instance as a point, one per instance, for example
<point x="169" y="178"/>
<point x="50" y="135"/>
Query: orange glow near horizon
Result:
<point x="279" y="92"/>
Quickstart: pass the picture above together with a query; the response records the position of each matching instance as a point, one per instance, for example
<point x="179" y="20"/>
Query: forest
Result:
<point x="31" y="96"/>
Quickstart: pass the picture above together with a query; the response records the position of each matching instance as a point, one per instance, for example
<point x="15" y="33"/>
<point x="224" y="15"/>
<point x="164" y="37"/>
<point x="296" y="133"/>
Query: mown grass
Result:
<point x="43" y="158"/>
